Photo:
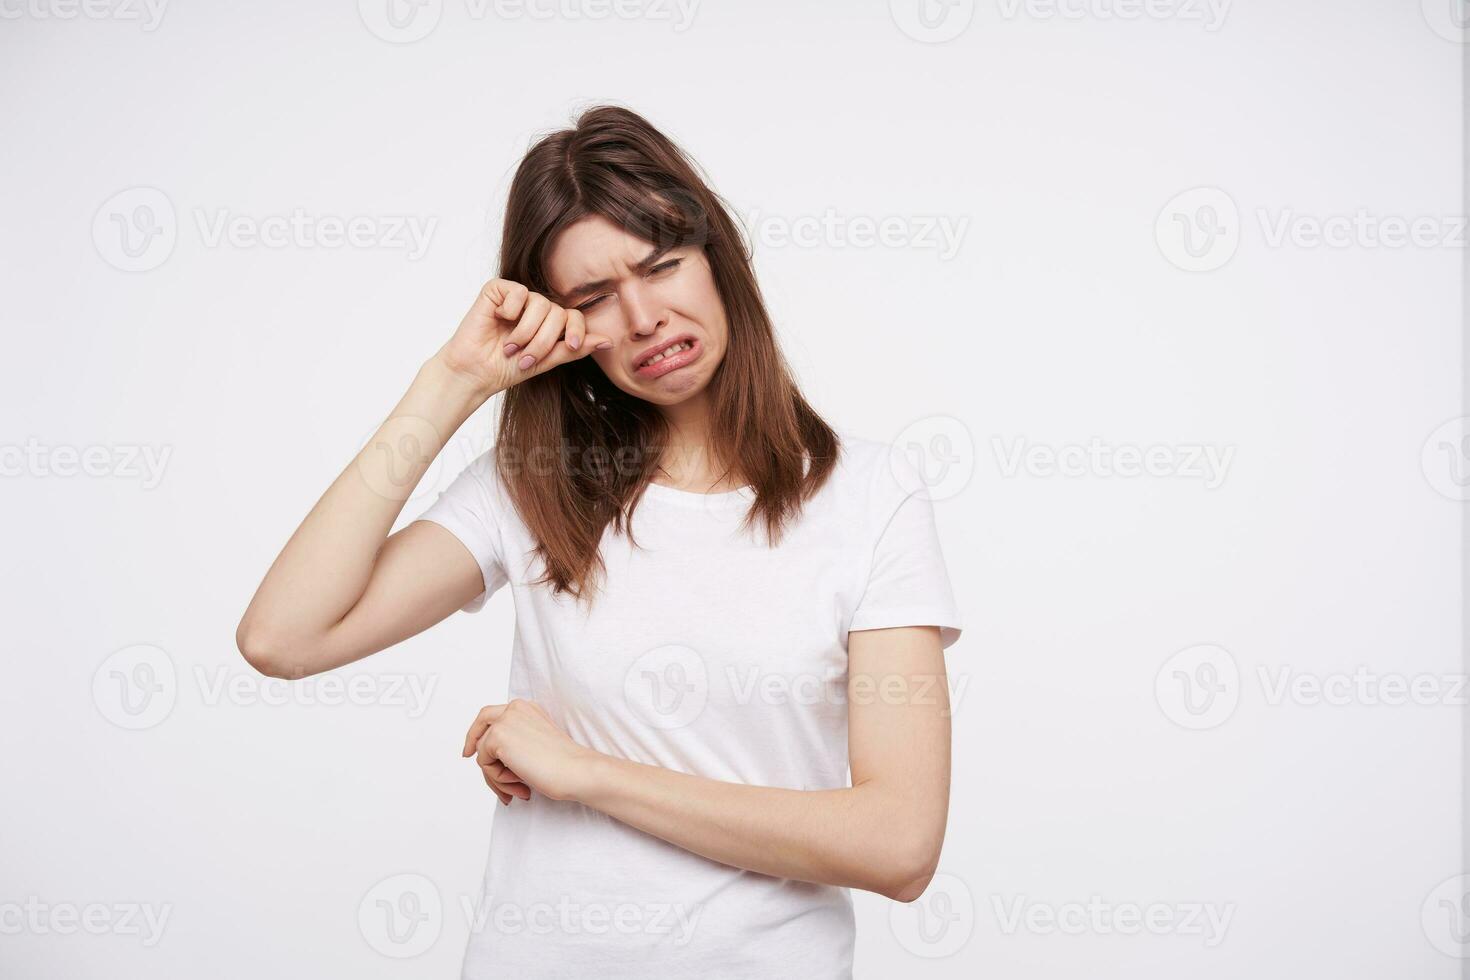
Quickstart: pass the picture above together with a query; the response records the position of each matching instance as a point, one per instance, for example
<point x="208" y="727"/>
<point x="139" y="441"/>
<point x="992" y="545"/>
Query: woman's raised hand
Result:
<point x="507" y="325"/>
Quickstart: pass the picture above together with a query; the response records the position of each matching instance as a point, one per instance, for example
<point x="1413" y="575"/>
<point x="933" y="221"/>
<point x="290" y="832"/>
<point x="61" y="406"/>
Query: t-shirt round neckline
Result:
<point x="693" y="498"/>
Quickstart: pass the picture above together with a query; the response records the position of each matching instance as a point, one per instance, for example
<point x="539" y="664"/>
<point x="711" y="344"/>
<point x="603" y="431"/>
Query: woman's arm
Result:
<point x="341" y="588"/>
<point x="301" y="620"/>
<point x="883" y="834"/>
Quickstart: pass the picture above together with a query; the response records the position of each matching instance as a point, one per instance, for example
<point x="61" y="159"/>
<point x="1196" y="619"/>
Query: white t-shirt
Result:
<point x="708" y="652"/>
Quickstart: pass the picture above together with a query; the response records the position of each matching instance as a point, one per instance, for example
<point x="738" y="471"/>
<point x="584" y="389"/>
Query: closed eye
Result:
<point x="659" y="269"/>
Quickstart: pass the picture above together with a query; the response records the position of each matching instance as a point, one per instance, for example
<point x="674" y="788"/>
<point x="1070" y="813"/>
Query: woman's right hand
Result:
<point x="508" y="313"/>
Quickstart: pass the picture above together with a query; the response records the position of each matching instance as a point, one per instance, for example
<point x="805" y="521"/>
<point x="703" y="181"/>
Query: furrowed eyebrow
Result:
<point x="641" y="266"/>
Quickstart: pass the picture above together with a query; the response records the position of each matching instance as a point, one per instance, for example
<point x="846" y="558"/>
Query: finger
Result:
<point x="576" y="329"/>
<point x="537" y="306"/>
<point x="504" y="796"/>
<point x="516" y="789"/>
<point x="480" y="726"/>
<point x="520" y="791"/>
<point x="561" y="354"/>
<point x="546" y="337"/>
<point x="509" y="793"/>
<point x="491" y="295"/>
<point x="485" y="752"/>
<point x="513" y="299"/>
<point x="501" y="773"/>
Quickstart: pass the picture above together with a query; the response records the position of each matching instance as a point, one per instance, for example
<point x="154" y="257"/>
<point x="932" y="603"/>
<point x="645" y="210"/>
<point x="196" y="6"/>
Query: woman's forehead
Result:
<point x="591" y="248"/>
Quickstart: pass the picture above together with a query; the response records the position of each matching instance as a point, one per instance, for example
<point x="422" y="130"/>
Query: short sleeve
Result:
<point x="467" y="508"/>
<point x="908" y="582"/>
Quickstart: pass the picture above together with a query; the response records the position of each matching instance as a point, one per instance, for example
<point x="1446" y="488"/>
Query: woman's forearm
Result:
<point x="866" y="836"/>
<point x="325" y="566"/>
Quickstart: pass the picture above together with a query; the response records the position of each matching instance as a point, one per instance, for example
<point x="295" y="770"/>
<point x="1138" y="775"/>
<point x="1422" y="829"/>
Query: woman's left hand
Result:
<point x="522" y="738"/>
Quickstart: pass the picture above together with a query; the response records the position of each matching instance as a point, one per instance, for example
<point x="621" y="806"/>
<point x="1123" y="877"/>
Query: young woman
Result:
<point x="721" y="604"/>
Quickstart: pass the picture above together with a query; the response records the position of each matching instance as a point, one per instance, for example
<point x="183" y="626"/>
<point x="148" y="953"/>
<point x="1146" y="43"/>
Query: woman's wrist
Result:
<point x="441" y="381"/>
<point x="596" y="772"/>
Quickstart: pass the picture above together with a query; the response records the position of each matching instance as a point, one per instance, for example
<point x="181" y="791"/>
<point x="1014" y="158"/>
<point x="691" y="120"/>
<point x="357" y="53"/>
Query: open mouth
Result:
<point x="669" y="358"/>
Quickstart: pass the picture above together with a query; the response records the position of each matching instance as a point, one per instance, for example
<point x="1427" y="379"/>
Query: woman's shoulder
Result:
<point x="482" y="468"/>
<point x="878" y="473"/>
<point x="481" y="479"/>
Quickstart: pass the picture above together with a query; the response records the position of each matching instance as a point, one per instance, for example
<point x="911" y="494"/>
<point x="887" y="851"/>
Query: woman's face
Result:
<point x="645" y="300"/>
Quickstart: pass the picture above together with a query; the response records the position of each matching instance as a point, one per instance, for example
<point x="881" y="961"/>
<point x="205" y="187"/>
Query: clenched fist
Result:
<point x="511" y="334"/>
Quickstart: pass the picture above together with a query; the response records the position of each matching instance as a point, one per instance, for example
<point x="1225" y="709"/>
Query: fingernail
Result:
<point x="574" y="343"/>
<point x="510" y="349"/>
<point x="527" y="361"/>
<point x="605" y="345"/>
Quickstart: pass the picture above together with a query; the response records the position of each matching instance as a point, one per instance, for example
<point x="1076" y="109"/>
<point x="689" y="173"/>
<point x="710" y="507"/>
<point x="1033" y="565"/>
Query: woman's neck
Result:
<point x="688" y="463"/>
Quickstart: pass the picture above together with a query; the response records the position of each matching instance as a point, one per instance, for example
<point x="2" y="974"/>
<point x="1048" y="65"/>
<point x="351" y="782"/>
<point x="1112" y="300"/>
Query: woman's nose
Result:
<point x="645" y="313"/>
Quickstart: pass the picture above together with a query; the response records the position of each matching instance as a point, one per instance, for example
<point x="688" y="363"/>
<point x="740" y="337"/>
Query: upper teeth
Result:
<point x="667" y="352"/>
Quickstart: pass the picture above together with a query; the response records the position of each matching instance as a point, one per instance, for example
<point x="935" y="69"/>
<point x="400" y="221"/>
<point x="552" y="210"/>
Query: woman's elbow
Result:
<point x="907" y="864"/>
<point x="911" y="873"/>
<point x="267" y="656"/>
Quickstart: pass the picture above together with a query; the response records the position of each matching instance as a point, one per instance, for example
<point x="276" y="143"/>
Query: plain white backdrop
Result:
<point x="1168" y="294"/>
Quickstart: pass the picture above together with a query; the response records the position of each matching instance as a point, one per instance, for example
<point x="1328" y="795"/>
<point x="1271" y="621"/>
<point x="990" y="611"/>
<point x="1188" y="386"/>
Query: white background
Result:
<point x="1086" y="771"/>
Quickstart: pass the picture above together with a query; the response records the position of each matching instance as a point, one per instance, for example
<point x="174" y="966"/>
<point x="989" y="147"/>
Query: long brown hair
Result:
<point x="575" y="451"/>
